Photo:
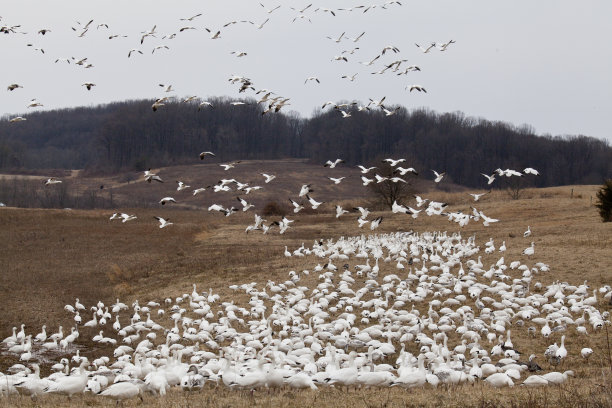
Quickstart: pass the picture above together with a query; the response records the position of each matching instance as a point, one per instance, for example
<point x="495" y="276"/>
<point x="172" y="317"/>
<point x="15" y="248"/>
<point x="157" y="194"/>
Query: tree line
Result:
<point x="131" y="136"/>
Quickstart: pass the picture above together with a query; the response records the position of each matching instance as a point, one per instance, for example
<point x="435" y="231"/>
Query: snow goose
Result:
<point x="165" y="200"/>
<point x="314" y="203"/>
<point x="529" y="250"/>
<point x="204" y="154"/>
<point x="425" y="49"/>
<point x="245" y="205"/>
<point x="333" y="164"/>
<point x="269" y="177"/>
<point x="439" y="176"/>
<point x="121" y="391"/>
<point x="163" y="223"/>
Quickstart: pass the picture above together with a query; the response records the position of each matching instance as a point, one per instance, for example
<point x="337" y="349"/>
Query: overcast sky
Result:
<point x="545" y="63"/>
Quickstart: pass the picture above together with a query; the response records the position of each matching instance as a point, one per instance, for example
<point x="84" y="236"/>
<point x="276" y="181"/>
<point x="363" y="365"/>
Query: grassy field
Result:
<point x="51" y="257"/>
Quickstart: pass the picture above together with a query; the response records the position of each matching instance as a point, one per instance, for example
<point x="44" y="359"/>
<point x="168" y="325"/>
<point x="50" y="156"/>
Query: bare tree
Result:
<point x="390" y="187"/>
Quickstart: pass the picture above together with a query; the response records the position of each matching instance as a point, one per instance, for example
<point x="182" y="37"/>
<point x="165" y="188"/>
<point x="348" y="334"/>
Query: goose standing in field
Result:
<point x="121" y="391"/>
<point x="527" y="233"/>
<point x="529" y="250"/>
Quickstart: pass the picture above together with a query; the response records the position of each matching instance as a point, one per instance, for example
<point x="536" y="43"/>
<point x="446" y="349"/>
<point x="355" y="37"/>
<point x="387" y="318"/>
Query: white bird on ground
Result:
<point x="527" y="233"/>
<point x="529" y="250"/>
<point x="121" y="391"/>
<point x="163" y="222"/>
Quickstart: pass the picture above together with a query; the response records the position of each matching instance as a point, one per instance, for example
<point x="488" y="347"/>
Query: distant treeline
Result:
<point x="130" y="136"/>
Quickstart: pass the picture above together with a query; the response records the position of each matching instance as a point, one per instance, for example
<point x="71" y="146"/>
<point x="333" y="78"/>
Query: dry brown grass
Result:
<point x="50" y="257"/>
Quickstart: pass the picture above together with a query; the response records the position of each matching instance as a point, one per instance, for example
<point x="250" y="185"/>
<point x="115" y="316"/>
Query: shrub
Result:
<point x="273" y="208"/>
<point x="604" y="201"/>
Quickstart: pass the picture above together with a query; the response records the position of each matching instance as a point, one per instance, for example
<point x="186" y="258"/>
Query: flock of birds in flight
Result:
<point x="269" y="100"/>
<point x="376" y="296"/>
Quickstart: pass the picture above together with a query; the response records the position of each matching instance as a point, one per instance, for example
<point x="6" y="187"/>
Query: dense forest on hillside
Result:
<point x="131" y="136"/>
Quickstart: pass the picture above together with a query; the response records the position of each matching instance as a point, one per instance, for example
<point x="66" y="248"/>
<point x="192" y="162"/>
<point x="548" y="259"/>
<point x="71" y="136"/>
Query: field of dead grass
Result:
<point x="51" y="257"/>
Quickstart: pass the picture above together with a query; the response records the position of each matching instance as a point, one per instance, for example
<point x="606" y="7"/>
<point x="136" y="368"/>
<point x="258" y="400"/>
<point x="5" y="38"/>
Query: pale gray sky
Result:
<point x="545" y="63"/>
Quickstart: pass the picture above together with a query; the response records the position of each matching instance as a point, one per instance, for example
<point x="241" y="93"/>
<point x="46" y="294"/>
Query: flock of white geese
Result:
<point x="403" y="309"/>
